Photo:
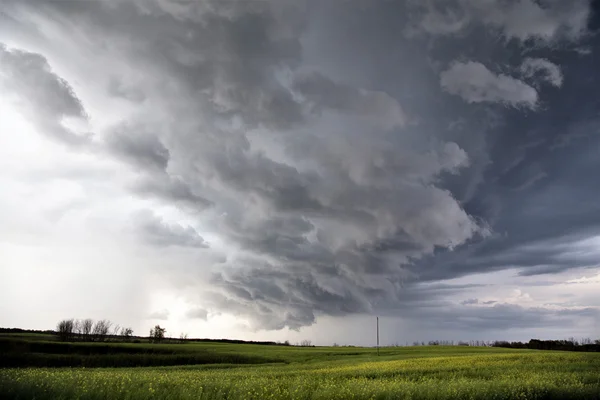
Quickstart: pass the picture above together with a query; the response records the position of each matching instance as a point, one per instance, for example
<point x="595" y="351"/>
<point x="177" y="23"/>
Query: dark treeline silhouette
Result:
<point x="27" y="331"/>
<point x="570" y="344"/>
<point x="88" y="330"/>
<point x="564" y="345"/>
<point x="475" y="343"/>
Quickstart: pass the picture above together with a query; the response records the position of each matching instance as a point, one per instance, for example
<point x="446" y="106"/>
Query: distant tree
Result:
<point x="116" y="330"/>
<point x="183" y="337"/>
<point x="86" y="328"/>
<point x="573" y="341"/>
<point x="101" y="330"/>
<point x="126" y="333"/>
<point x="586" y="341"/>
<point x="65" y="329"/>
<point x="157" y="334"/>
<point x="306" y="343"/>
<point x="77" y="329"/>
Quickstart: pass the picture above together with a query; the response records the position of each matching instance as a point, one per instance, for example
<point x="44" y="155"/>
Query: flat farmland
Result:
<point x="248" y="371"/>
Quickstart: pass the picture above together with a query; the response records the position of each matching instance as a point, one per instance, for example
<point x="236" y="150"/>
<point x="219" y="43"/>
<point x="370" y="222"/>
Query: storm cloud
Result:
<point x="45" y="97"/>
<point x="289" y="161"/>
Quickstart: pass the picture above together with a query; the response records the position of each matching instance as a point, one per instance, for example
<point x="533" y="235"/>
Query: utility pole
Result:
<point x="377" y="335"/>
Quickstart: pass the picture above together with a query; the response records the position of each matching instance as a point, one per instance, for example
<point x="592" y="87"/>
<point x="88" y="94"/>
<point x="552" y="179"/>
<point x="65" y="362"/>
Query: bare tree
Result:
<point x="101" y="330"/>
<point x="183" y="337"/>
<point x="116" y="330"/>
<point x="65" y="329"/>
<point x="86" y="328"/>
<point x="77" y="329"/>
<point x="306" y="343"/>
<point x="126" y="333"/>
<point x="585" y="341"/>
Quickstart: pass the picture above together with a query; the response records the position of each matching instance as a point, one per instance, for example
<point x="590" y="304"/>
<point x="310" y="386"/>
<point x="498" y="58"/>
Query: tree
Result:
<point x="305" y="343"/>
<point x="157" y="334"/>
<point x="126" y="333"/>
<point x="65" y="329"/>
<point x="86" y="328"/>
<point x="116" y="330"/>
<point x="77" y="329"/>
<point x="101" y="330"/>
<point x="183" y="337"/>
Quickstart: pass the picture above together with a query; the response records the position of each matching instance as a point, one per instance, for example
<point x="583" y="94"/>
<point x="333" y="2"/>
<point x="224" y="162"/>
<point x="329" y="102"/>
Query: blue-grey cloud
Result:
<point x="157" y="232"/>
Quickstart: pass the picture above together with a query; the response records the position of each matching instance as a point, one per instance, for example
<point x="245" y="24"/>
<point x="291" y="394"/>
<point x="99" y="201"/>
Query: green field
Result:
<point x="246" y="371"/>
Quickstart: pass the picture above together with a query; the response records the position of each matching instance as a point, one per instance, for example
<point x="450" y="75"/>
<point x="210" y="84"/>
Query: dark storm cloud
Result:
<point x="321" y="92"/>
<point x="337" y="192"/>
<point x="171" y="190"/>
<point x="157" y="232"/>
<point x="540" y="21"/>
<point x="501" y="317"/>
<point x="142" y="149"/>
<point x="42" y="95"/>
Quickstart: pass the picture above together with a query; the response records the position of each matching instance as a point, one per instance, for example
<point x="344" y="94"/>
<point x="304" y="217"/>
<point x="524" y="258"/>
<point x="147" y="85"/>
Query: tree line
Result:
<point x="88" y="330"/>
<point x="570" y="344"/>
<point x="98" y="331"/>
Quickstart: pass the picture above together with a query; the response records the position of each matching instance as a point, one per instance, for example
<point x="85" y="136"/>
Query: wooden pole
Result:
<point x="377" y="335"/>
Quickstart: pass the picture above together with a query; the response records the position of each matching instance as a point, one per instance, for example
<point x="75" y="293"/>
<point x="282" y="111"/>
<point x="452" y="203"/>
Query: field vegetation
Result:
<point x="211" y="370"/>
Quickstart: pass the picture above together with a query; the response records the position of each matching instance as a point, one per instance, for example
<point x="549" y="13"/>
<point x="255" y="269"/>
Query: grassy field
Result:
<point x="282" y="372"/>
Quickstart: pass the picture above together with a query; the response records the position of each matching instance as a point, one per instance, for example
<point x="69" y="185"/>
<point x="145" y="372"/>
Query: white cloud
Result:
<point x="476" y="84"/>
<point x="586" y="280"/>
<point x="543" y="68"/>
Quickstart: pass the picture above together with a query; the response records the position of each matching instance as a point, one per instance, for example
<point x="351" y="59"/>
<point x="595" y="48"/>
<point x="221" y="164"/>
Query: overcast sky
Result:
<point x="278" y="169"/>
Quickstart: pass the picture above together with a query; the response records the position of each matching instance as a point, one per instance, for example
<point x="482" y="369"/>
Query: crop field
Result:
<point x="287" y="372"/>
